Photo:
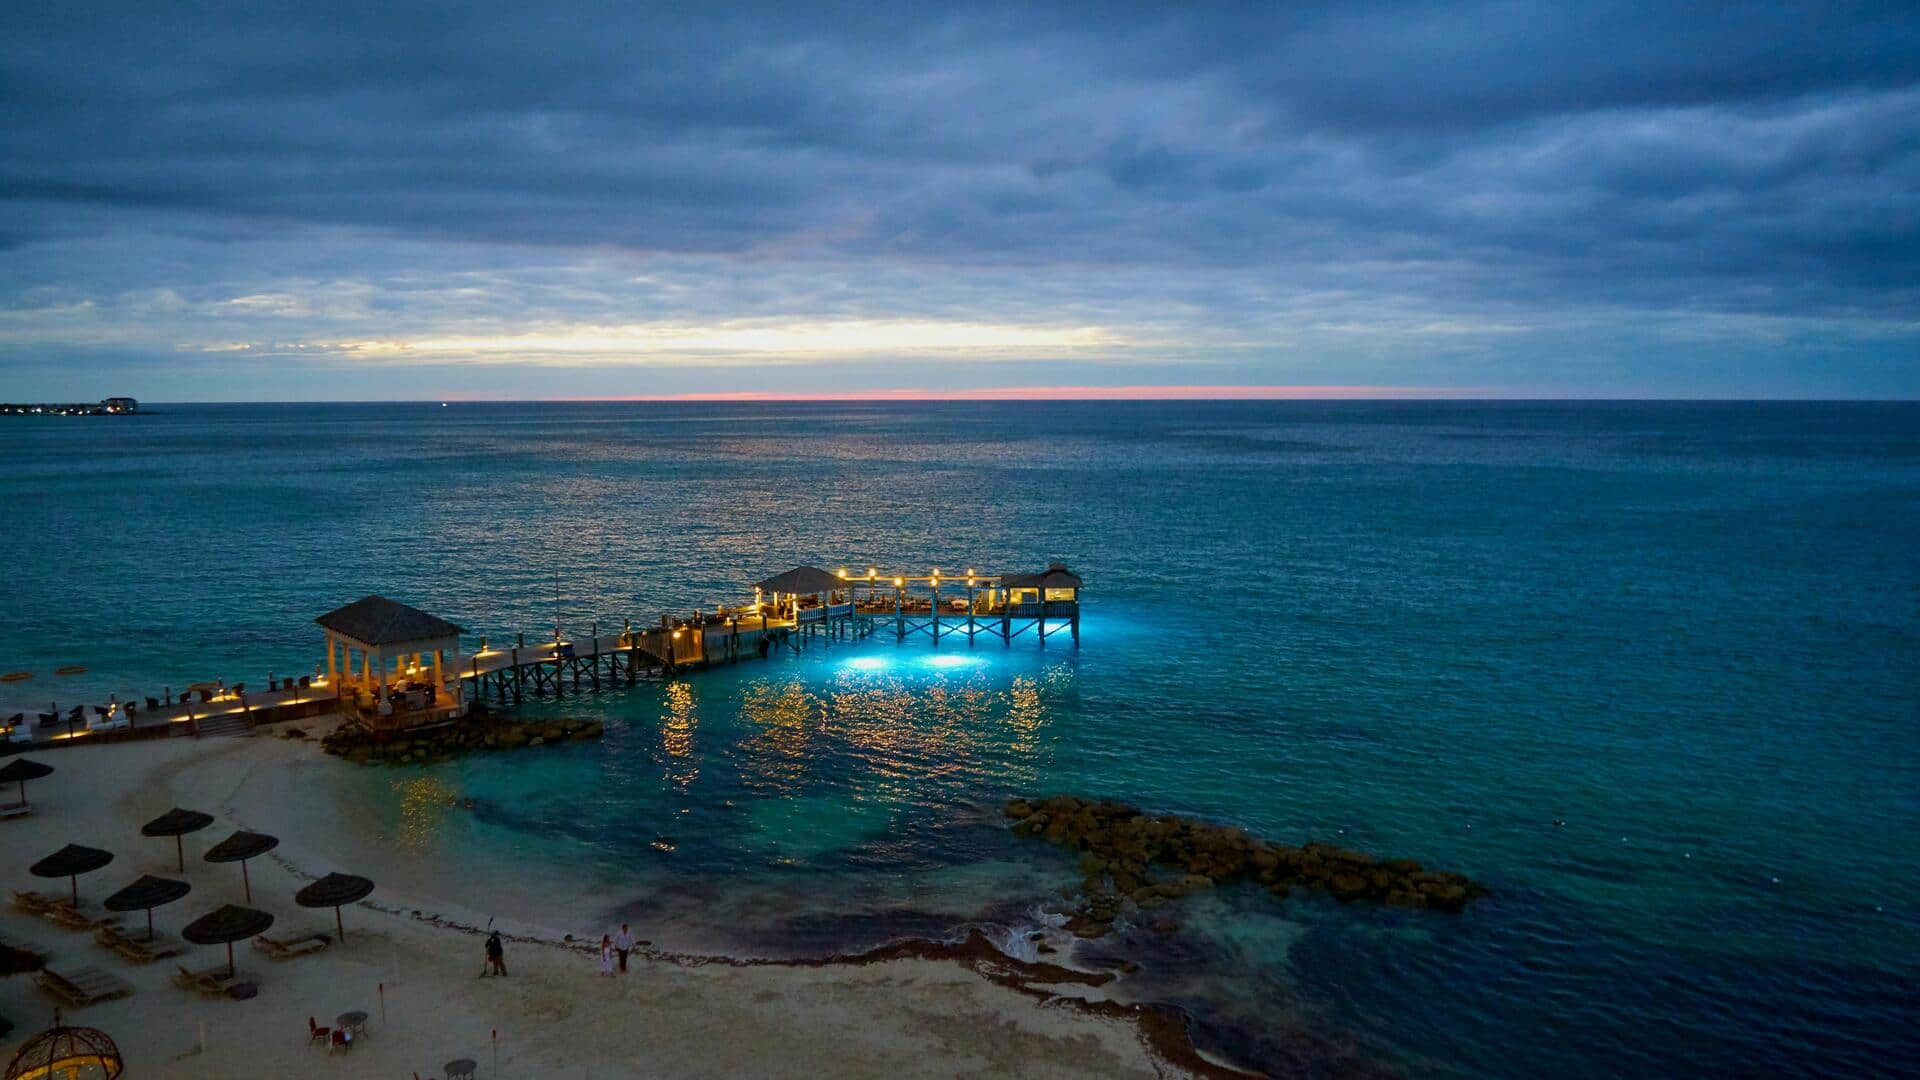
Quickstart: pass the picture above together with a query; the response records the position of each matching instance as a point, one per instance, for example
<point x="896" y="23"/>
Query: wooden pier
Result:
<point x="410" y="671"/>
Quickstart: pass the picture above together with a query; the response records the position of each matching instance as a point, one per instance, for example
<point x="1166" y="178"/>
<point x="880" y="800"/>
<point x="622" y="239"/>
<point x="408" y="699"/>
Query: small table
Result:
<point x="461" y="1069"/>
<point x="355" y="1021"/>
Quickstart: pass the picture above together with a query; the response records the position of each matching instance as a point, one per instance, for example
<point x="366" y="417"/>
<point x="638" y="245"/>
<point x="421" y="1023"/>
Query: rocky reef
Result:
<point x="478" y="732"/>
<point x="1132" y="861"/>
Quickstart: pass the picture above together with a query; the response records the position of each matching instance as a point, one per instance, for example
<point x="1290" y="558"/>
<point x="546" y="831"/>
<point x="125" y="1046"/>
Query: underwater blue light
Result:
<point x="950" y="660"/>
<point x="868" y="663"/>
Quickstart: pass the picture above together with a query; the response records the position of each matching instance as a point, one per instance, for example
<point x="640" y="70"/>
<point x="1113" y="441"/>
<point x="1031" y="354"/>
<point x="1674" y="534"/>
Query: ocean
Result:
<point x="1649" y="670"/>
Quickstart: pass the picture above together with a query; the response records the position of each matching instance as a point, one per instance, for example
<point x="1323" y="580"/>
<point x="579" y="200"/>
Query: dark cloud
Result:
<point x="1518" y="160"/>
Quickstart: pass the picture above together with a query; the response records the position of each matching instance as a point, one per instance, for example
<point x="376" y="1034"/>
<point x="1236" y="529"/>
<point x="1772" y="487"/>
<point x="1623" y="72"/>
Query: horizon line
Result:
<point x="1143" y="392"/>
<point x="1160" y="392"/>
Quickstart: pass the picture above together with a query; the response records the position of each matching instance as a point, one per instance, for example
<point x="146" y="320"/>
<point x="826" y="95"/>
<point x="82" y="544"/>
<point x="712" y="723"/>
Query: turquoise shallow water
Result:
<point x="1687" y="631"/>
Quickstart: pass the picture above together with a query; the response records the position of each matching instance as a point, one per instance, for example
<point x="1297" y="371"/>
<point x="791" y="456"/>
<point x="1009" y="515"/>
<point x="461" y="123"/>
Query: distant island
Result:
<point x="113" y="406"/>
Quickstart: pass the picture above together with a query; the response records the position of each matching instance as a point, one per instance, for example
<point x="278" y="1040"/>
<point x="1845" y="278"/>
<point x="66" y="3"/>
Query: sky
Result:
<point x="343" y="201"/>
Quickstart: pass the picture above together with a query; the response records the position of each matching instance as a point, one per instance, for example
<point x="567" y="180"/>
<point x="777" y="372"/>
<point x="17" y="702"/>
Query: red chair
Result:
<point x="318" y="1034"/>
<point x="340" y="1041"/>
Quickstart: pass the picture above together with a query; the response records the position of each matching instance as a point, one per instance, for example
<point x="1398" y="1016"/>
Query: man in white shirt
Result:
<point x="622" y="945"/>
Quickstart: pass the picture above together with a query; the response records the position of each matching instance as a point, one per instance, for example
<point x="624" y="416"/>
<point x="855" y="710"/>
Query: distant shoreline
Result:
<point x="113" y="406"/>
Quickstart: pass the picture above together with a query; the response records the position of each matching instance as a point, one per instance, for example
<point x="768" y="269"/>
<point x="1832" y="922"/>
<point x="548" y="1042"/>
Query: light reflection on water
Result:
<point x="1680" y="624"/>
<point x="677" y="724"/>
<point x="425" y="805"/>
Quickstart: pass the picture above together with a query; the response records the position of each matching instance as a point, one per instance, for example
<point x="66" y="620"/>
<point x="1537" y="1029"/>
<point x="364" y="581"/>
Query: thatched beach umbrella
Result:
<point x="20" y="770"/>
<point x="70" y="862"/>
<point x="147" y="893"/>
<point x="224" y="927"/>
<point x="240" y="847"/>
<point x="177" y="823"/>
<point x="333" y="891"/>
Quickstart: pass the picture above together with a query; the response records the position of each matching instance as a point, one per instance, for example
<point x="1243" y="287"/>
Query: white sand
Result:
<point x="556" y="1017"/>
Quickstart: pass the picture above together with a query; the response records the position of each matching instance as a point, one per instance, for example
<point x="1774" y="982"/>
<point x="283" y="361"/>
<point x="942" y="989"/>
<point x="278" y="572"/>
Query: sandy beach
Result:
<point x="554" y="1016"/>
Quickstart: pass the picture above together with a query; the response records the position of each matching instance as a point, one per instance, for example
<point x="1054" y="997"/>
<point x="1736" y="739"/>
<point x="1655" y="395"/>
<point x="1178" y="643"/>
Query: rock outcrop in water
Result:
<point x="356" y="743"/>
<point x="1132" y="858"/>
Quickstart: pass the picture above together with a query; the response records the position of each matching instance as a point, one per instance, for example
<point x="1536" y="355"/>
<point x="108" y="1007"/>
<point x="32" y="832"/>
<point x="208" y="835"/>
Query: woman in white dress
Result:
<point x="606" y="955"/>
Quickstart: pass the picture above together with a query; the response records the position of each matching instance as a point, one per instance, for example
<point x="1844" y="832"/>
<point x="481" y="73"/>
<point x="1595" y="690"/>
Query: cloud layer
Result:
<point x="1513" y="197"/>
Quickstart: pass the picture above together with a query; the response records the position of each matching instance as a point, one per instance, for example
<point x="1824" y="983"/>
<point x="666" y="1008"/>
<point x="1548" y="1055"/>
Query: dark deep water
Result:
<point x="1427" y="629"/>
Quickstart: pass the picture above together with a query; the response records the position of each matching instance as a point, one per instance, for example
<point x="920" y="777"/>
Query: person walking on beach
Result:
<point x="622" y="945"/>
<point x="496" y="955"/>
<point x="606" y="955"/>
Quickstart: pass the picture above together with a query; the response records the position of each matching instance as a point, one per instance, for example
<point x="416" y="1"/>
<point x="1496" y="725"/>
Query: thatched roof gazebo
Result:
<point x="784" y="591"/>
<point x="70" y="862"/>
<point x="226" y="925"/>
<point x="376" y="620"/>
<point x="335" y="891"/>
<point x="240" y="847"/>
<point x="1056" y="577"/>
<point x="67" y="1053"/>
<point x="146" y="893"/>
<point x="392" y="639"/>
<point x="1052" y="594"/>
<point x="19" y="771"/>
<point x="802" y="581"/>
<point x="177" y="823"/>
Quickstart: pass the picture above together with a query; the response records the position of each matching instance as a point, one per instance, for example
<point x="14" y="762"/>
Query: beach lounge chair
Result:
<point x="22" y="945"/>
<point x="213" y="982"/>
<point x="85" y="917"/>
<point x="288" y="948"/>
<point x="142" y="951"/>
<point x="82" y="986"/>
<point x="15" y="809"/>
<point x="139" y="949"/>
<point x="34" y="903"/>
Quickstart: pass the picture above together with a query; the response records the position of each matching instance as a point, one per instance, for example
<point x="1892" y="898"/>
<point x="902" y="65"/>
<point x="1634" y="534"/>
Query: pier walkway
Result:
<point x="412" y="671"/>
